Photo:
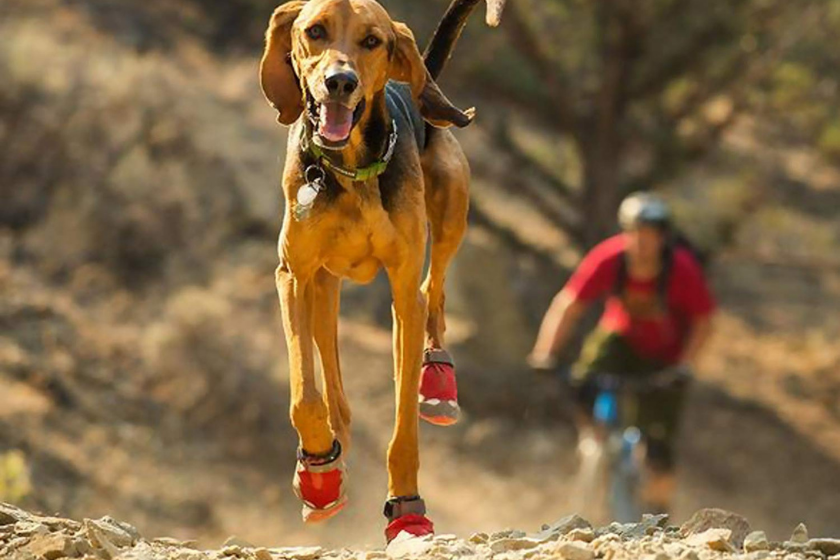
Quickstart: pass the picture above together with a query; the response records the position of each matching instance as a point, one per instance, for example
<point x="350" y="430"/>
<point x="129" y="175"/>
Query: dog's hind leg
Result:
<point x="319" y="476"/>
<point x="325" y="330"/>
<point x="447" y="177"/>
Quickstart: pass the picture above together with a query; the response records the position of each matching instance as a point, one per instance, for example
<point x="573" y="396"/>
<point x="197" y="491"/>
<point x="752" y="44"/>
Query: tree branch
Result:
<point x="531" y="103"/>
<point x="671" y="153"/>
<point x="508" y="237"/>
<point x="745" y="71"/>
<point x="679" y="63"/>
<point x="522" y="160"/>
<point x="710" y="87"/>
<point x="530" y="48"/>
<point x="538" y="203"/>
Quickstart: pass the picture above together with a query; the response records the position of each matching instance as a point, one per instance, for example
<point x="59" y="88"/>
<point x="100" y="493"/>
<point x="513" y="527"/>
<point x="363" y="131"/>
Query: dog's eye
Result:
<point x="371" y="42"/>
<point x="317" y="32"/>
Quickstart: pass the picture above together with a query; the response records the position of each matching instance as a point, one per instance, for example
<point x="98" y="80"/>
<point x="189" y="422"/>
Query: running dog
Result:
<point x="370" y="169"/>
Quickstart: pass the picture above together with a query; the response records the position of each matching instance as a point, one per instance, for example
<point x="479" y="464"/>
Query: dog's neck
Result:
<point x="368" y="140"/>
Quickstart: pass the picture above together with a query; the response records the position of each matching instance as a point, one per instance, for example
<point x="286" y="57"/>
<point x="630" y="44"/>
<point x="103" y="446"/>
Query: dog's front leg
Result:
<point x="308" y="411"/>
<point x="327" y="291"/>
<point x="409" y="312"/>
<point x="404" y="509"/>
<point x="319" y="475"/>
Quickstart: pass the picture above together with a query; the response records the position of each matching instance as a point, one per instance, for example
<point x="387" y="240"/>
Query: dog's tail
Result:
<point x="449" y="29"/>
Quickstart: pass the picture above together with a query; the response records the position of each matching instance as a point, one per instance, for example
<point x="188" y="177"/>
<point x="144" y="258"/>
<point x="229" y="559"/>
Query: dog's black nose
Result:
<point x="341" y="82"/>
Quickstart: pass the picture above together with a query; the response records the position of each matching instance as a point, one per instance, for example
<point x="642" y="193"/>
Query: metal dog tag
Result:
<point x="307" y="194"/>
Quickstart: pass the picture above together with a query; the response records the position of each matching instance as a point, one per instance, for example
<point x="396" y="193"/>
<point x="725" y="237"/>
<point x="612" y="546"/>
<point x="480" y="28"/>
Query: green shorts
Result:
<point x="657" y="413"/>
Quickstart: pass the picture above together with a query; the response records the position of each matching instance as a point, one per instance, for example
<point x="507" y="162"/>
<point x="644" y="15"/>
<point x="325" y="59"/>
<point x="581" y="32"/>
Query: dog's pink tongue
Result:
<point x="336" y="122"/>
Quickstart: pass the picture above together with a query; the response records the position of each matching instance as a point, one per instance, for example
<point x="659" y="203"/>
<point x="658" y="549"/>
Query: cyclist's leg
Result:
<point x="659" y="419"/>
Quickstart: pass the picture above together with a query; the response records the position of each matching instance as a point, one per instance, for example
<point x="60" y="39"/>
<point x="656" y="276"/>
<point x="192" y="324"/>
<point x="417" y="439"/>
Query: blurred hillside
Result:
<point x="142" y="365"/>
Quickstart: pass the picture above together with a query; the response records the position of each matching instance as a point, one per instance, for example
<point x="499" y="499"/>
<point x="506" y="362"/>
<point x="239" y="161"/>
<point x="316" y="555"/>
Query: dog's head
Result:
<point x="331" y="58"/>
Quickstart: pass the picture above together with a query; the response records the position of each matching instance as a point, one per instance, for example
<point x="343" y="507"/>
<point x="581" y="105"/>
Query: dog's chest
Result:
<point x="355" y="241"/>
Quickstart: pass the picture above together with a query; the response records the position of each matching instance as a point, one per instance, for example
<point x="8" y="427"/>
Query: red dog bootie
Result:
<point x="319" y="483"/>
<point x="407" y="514"/>
<point x="438" y="388"/>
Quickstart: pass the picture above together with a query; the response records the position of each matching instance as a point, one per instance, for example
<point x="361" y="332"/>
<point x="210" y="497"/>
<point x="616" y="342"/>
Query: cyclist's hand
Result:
<point x="542" y="362"/>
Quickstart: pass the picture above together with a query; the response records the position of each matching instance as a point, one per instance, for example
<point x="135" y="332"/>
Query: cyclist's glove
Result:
<point x="543" y="364"/>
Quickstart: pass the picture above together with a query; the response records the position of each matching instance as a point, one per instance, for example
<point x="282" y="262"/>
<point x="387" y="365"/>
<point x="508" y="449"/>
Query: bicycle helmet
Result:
<point x="643" y="209"/>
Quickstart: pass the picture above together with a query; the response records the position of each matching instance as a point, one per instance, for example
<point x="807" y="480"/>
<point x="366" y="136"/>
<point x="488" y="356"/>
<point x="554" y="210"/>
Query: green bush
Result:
<point x="15" y="484"/>
<point x="829" y="142"/>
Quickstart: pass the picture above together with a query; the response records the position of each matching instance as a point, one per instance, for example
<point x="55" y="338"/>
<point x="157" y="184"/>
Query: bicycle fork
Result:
<point x="625" y="452"/>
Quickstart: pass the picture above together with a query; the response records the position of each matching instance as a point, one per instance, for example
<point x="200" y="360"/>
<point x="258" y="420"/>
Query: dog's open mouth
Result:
<point x="334" y="121"/>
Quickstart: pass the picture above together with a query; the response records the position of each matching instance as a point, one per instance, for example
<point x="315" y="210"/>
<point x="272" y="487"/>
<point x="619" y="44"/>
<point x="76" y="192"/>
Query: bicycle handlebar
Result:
<point x="663" y="379"/>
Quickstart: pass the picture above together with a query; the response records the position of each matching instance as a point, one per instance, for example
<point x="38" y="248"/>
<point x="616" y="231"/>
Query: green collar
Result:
<point x="375" y="169"/>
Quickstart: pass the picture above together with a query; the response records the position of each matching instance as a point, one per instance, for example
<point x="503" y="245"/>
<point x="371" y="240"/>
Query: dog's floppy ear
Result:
<point x="407" y="66"/>
<point x="277" y="76"/>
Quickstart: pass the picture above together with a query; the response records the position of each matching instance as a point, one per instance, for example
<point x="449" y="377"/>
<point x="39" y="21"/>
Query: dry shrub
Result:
<point x="102" y="160"/>
<point x="210" y="377"/>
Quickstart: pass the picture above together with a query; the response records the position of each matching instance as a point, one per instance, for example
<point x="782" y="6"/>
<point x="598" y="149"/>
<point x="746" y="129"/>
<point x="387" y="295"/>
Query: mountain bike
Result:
<point x="613" y="449"/>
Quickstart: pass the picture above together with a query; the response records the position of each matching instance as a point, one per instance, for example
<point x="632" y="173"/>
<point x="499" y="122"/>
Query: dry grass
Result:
<point x="116" y="153"/>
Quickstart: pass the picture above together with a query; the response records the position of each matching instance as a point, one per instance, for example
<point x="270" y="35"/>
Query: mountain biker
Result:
<point x="658" y="309"/>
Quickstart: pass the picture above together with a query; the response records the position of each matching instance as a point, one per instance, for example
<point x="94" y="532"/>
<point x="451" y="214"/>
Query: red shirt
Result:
<point x="638" y="314"/>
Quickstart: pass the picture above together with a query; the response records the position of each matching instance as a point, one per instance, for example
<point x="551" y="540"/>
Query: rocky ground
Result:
<point x="709" y="534"/>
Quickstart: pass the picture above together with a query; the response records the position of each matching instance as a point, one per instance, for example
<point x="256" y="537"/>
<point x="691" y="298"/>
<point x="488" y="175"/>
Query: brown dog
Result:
<point x="364" y="174"/>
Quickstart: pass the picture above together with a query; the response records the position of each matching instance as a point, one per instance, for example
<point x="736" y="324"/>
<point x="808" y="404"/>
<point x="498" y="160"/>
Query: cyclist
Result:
<point x="658" y="309"/>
